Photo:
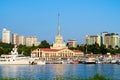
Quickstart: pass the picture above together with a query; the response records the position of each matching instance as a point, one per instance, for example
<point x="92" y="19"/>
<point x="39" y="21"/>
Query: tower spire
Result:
<point x="58" y="24"/>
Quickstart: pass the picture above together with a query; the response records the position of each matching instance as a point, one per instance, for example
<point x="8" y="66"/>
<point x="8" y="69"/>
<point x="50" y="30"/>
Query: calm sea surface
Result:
<point x="50" y="71"/>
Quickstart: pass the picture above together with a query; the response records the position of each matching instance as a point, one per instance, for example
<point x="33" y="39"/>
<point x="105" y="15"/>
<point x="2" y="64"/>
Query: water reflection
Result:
<point x="52" y="70"/>
<point x="58" y="69"/>
<point x="10" y="70"/>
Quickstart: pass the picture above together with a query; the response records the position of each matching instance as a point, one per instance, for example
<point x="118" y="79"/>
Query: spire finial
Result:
<point x="58" y="24"/>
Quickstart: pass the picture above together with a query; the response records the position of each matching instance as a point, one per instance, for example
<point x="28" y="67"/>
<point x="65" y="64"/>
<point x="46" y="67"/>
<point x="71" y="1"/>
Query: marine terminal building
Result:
<point x="59" y="50"/>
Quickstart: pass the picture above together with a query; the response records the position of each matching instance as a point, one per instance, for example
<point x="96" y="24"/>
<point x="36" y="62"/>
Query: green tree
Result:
<point x="103" y="49"/>
<point x="118" y="50"/>
<point x="5" y="48"/>
<point x="26" y="50"/>
<point x="111" y="50"/>
<point x="1" y="50"/>
<point x="94" y="48"/>
<point x="44" y="44"/>
<point x="72" y="48"/>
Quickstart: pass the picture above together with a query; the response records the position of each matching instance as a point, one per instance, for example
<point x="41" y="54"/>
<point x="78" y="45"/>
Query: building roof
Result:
<point x="55" y="50"/>
<point x="48" y="49"/>
<point x="76" y="51"/>
<point x="112" y="34"/>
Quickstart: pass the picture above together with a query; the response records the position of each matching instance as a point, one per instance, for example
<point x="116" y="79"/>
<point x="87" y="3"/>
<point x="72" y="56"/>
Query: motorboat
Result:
<point x="58" y="62"/>
<point x="90" y="61"/>
<point x="113" y="61"/>
<point x="38" y="61"/>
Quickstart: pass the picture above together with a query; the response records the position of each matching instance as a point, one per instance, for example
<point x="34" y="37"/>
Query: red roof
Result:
<point x="76" y="51"/>
<point x="55" y="50"/>
<point x="49" y="49"/>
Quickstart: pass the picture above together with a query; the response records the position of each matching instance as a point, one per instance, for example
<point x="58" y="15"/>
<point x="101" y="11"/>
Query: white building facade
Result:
<point x="5" y="36"/>
<point x="59" y="50"/>
<point x="17" y="39"/>
<point x="30" y="41"/>
<point x="21" y="40"/>
<point x="92" y="39"/>
<point x="59" y="44"/>
<point x="111" y="39"/>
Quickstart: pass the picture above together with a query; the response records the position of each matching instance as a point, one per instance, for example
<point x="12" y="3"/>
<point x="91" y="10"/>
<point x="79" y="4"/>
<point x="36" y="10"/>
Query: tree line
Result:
<point x="26" y="50"/>
<point x="96" y="49"/>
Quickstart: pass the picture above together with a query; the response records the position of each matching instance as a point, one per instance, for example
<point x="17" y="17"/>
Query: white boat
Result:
<point x="58" y="62"/>
<point x="113" y="61"/>
<point x="15" y="58"/>
<point x="39" y="62"/>
<point x="90" y="61"/>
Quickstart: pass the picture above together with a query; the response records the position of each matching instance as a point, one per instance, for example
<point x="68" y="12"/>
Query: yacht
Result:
<point x="15" y="58"/>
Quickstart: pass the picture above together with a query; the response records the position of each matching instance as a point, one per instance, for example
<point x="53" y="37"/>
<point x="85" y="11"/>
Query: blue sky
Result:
<point x="77" y="18"/>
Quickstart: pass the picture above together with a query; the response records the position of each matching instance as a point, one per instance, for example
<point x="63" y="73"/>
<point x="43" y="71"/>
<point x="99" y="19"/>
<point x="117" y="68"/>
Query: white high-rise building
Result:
<point x="21" y="40"/>
<point x="111" y="39"/>
<point x="103" y="37"/>
<point x="92" y="39"/>
<point x="15" y="38"/>
<point x="30" y="41"/>
<point x="5" y="36"/>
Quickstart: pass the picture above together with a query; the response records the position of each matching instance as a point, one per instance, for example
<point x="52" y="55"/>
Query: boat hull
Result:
<point x="90" y="62"/>
<point x="19" y="62"/>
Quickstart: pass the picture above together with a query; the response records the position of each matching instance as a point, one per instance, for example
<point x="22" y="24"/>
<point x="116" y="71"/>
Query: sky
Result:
<point x="78" y="18"/>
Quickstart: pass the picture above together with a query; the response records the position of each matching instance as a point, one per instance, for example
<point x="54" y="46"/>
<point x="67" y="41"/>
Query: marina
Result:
<point x="14" y="58"/>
